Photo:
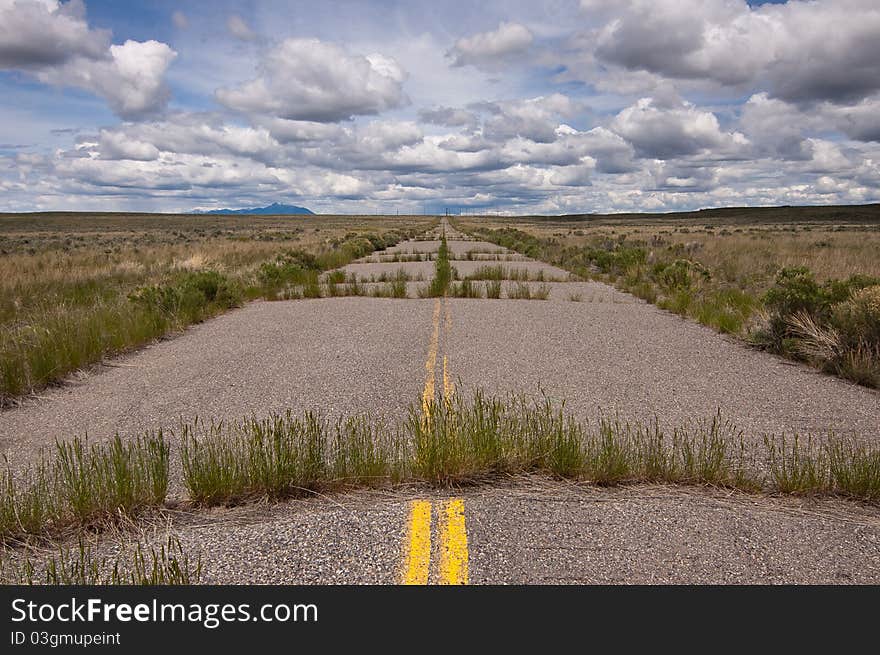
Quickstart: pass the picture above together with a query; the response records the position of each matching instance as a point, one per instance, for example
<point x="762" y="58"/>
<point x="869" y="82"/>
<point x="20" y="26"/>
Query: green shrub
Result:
<point x="858" y="319"/>
<point x="679" y="274"/>
<point x="190" y="297"/>
<point x="796" y="292"/>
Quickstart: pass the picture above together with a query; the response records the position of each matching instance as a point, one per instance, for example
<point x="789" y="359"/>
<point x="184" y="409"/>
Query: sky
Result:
<point x="535" y="106"/>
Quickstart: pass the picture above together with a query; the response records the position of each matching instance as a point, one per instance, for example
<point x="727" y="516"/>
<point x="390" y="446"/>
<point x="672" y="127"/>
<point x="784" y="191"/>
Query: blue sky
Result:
<point x="543" y="106"/>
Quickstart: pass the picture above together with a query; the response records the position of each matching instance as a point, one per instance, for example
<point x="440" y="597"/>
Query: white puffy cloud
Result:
<point x="532" y="118"/>
<point x="491" y="49"/>
<point x="382" y="136"/>
<point x="289" y="131"/>
<point x="117" y="145"/>
<point x="39" y="33"/>
<point x="311" y="80"/>
<point x="787" y="50"/>
<point x="859" y="121"/>
<point x="776" y="127"/>
<point x="54" y="42"/>
<point x="131" y="79"/>
<point x="663" y="132"/>
<point x="192" y="134"/>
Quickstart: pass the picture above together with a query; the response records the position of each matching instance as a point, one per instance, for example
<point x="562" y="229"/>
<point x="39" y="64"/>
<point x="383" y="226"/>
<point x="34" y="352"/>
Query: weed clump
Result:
<point x="84" y="485"/>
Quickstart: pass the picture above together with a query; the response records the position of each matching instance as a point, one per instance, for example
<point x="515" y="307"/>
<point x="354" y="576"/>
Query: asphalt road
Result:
<point x="536" y="531"/>
<point x="600" y="350"/>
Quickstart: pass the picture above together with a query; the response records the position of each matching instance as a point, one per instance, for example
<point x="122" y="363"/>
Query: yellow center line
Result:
<point x="448" y="384"/>
<point x="453" y="544"/>
<point x="431" y="362"/>
<point x="417" y="558"/>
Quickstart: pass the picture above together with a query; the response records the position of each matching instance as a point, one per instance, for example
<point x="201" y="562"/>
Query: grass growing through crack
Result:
<point x="464" y="440"/>
<point x="284" y="455"/>
<point x="443" y="271"/>
<point x="465" y="289"/>
<point x="169" y="564"/>
<point x="83" y="485"/>
<point x="515" y="274"/>
<point x="457" y="441"/>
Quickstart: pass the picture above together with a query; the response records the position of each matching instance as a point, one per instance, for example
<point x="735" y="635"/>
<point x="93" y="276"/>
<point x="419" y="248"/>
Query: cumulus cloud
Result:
<point x="117" y="145"/>
<point x="859" y="121"/>
<point x="686" y="104"/>
<point x="448" y="117"/>
<point x="239" y="28"/>
<point x="664" y="132"/>
<point x="785" y="49"/>
<point x="491" y="49"/>
<point x="311" y="80"/>
<point x="291" y="131"/>
<point x="777" y="128"/>
<point x="534" y="118"/>
<point x="130" y="79"/>
<point x="54" y="42"/>
<point x="39" y="33"/>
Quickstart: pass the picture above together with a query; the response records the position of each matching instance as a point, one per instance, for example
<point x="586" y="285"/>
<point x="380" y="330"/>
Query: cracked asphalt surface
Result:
<point x="599" y="349"/>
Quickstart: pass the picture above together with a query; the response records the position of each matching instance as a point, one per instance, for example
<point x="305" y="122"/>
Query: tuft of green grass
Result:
<point x="493" y="289"/>
<point x="854" y="469"/>
<point x="170" y="564"/>
<point x="443" y="271"/>
<point x="797" y="468"/>
<point x="541" y="293"/>
<point x="522" y="291"/>
<point x="465" y="289"/>
<point x="84" y="485"/>
<point x="458" y="440"/>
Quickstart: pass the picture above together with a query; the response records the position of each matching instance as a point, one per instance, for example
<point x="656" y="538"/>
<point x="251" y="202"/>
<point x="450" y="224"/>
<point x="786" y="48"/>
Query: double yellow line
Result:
<point x="453" y="534"/>
<point x="453" y="543"/>
<point x="428" y="394"/>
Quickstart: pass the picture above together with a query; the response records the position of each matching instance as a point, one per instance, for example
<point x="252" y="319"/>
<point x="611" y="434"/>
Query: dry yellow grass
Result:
<point x="752" y="253"/>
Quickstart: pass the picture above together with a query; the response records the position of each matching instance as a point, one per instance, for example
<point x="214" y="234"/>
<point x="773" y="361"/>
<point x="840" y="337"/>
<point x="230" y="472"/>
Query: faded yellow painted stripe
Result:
<point x="417" y="558"/>
<point x="453" y="544"/>
<point x="431" y="362"/>
<point x="448" y="384"/>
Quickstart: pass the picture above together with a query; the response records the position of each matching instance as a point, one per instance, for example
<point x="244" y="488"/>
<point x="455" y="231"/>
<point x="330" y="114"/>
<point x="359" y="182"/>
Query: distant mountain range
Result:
<point x="274" y="208"/>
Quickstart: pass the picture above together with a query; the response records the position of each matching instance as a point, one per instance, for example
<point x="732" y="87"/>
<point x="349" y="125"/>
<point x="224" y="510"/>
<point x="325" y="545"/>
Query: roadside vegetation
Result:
<point x="84" y="485"/>
<point x="809" y="292"/>
<point x="83" y="564"/>
<point x="466" y="439"/>
<point x="76" y="289"/>
<point x="510" y="273"/>
<point x="443" y="273"/>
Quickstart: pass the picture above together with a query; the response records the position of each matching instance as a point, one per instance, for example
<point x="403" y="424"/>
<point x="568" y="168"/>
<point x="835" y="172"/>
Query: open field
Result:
<point x="474" y="415"/>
